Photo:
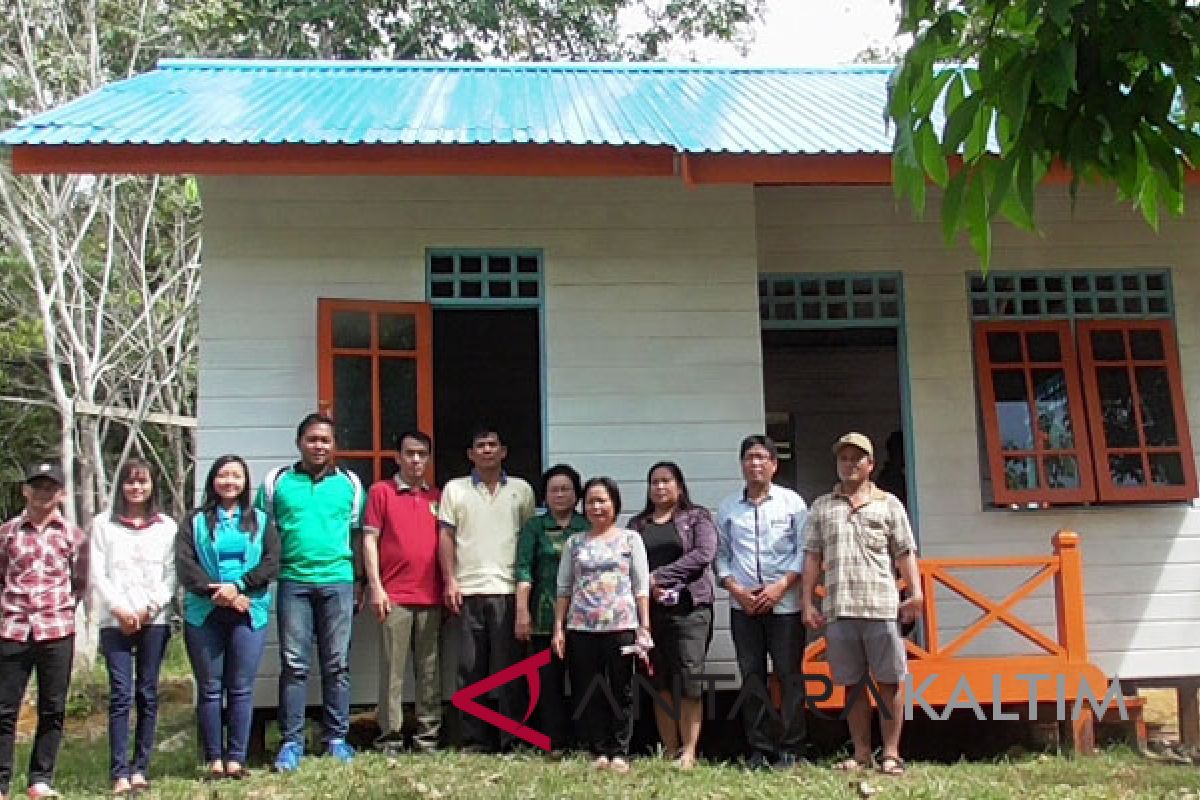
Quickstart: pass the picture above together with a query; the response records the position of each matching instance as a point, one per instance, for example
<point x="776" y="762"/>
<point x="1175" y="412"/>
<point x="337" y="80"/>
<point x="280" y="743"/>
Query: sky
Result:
<point x="810" y="33"/>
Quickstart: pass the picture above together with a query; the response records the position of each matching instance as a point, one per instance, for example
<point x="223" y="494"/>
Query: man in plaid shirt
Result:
<point x="855" y="537"/>
<point x="43" y="566"/>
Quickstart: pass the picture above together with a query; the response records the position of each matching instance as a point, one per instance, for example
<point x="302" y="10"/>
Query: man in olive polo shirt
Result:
<point x="480" y="516"/>
<point x="315" y="505"/>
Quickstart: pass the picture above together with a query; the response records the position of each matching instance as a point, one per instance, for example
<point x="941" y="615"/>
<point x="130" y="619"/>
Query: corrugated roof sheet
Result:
<point x="693" y="109"/>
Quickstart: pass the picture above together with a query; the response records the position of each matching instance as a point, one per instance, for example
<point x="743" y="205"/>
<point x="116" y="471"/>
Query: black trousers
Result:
<point x="553" y="713"/>
<point x="52" y="661"/>
<point x="601" y="690"/>
<point x="782" y="636"/>
<point x="486" y="646"/>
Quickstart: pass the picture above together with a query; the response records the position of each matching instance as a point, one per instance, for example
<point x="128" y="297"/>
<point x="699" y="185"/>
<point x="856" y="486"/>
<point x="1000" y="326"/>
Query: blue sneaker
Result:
<point x="341" y="751"/>
<point x="289" y="757"/>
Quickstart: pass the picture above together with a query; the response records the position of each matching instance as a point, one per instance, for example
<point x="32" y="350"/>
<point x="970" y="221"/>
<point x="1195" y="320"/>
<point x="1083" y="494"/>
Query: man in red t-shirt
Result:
<point x="400" y="552"/>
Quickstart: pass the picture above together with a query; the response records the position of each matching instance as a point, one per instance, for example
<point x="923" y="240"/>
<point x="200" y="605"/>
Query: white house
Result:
<point x="622" y="263"/>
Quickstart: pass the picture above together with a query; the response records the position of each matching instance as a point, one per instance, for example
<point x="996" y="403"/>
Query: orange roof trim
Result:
<point x="573" y="161"/>
<point x="504" y="160"/>
<point x="511" y="160"/>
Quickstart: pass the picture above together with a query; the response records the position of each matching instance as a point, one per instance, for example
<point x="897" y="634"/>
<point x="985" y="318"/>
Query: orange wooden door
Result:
<point x="375" y="378"/>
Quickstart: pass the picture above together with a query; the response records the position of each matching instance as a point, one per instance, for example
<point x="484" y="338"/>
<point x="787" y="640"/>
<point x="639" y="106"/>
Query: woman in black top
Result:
<point x="681" y="542"/>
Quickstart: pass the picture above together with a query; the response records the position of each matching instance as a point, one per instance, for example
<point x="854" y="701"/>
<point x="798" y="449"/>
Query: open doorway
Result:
<point x="487" y="368"/>
<point x="818" y="384"/>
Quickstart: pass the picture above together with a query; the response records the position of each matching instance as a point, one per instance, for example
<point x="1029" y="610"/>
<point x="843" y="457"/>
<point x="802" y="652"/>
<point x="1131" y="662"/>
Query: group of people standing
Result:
<point x="599" y="595"/>
<point x="602" y="596"/>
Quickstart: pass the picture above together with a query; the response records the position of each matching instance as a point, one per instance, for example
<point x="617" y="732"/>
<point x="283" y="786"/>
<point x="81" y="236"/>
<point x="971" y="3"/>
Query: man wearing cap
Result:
<point x="759" y="557"/>
<point x="43" y="566"/>
<point x="855" y="537"/>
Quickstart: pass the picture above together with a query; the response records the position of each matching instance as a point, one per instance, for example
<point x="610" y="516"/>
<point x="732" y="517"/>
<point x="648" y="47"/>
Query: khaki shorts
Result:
<point x="855" y="646"/>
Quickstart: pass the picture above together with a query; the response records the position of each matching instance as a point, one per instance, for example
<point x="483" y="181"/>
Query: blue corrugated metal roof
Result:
<point x="693" y="109"/>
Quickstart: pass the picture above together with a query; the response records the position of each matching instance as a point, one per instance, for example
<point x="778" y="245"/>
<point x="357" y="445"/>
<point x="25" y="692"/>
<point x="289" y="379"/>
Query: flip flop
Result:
<point x="851" y="765"/>
<point x="892" y="766"/>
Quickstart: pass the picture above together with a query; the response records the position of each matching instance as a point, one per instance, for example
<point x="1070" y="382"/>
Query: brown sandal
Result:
<point x="852" y="765"/>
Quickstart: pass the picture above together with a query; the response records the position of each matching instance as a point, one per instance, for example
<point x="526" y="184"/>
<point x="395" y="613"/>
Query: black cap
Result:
<point x="44" y="469"/>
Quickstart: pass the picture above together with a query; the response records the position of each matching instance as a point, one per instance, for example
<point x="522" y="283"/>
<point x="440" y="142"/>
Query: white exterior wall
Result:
<point x="651" y="336"/>
<point x="1142" y="562"/>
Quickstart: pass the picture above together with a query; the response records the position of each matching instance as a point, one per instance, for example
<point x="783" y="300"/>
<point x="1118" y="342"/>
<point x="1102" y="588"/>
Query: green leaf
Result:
<point x="1125" y="167"/>
<point x="959" y="119"/>
<point x="1014" y="99"/>
<point x="1000" y="177"/>
<point x="1059" y="12"/>
<point x="191" y="189"/>
<point x="1164" y="159"/>
<point x="975" y="197"/>
<point x="971" y="76"/>
<point x="1056" y="75"/>
<point x="955" y="92"/>
<point x="1148" y="200"/>
<point x="928" y="95"/>
<point x="976" y="142"/>
<point x="952" y="206"/>
<point x="1017" y="206"/>
<point x="932" y="159"/>
<point x="908" y="181"/>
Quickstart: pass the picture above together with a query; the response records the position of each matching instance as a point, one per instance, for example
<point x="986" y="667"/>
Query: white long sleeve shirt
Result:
<point x="133" y="568"/>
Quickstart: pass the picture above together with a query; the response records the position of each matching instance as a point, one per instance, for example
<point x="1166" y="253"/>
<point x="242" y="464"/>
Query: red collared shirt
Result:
<point x="406" y="519"/>
<point x="44" y="574"/>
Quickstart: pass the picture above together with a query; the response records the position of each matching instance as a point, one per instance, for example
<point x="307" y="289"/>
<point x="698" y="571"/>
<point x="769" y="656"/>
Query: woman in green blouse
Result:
<point x="539" y="550"/>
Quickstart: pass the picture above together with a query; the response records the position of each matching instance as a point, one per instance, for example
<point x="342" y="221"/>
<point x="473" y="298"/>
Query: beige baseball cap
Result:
<point x="858" y="440"/>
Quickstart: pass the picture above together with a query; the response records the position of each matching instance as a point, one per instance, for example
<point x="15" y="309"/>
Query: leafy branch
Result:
<point x="995" y="94"/>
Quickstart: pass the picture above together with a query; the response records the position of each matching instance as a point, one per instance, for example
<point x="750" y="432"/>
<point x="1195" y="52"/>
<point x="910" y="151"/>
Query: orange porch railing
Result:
<point x="940" y="665"/>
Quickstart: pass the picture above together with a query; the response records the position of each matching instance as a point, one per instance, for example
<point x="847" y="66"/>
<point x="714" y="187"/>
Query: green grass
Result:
<point x="1117" y="773"/>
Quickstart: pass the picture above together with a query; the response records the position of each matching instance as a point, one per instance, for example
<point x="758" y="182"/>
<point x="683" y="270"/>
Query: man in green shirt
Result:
<point x="315" y="505"/>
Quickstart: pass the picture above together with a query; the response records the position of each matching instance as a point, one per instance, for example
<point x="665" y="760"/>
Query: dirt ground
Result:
<point x="93" y="725"/>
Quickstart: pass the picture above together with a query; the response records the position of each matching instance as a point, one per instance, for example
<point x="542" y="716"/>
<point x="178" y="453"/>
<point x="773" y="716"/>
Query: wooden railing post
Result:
<point x="1068" y="596"/>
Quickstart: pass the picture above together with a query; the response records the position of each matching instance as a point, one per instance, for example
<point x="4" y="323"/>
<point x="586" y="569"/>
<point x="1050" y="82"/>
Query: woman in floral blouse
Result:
<point x="603" y="606"/>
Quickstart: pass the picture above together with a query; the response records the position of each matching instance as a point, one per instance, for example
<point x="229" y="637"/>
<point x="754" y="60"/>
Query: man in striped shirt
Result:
<point x="43" y="566"/>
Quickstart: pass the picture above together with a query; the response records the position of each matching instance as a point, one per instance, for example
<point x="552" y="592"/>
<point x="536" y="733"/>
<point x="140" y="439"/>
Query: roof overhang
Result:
<point x="507" y="160"/>
<point x="360" y="159"/>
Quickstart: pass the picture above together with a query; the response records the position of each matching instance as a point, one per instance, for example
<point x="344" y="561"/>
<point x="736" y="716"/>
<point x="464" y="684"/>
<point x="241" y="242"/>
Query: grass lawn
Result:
<point x="1117" y="773"/>
<point x="83" y="772"/>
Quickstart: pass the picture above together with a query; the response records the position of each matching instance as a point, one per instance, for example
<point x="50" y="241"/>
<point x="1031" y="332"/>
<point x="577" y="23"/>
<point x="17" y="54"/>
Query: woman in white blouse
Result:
<point x="133" y="577"/>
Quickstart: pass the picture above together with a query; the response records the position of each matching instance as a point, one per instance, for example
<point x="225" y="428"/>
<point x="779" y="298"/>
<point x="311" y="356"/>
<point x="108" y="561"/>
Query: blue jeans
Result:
<point x="225" y="652"/>
<point x="328" y="610"/>
<point x="144" y="651"/>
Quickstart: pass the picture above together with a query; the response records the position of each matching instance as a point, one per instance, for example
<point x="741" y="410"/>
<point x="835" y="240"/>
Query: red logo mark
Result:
<point x="464" y="699"/>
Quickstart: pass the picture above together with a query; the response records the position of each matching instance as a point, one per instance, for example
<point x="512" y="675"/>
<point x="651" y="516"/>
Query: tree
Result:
<point x="100" y="275"/>
<point x="462" y="30"/>
<point x="112" y="260"/>
<point x="1107" y="90"/>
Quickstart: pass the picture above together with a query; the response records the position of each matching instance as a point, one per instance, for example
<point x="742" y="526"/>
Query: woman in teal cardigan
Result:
<point x="226" y="557"/>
